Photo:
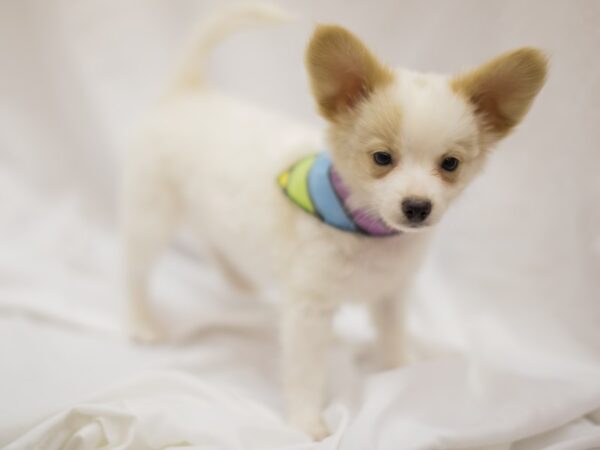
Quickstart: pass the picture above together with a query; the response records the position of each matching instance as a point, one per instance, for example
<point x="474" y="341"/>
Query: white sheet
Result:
<point x="504" y="326"/>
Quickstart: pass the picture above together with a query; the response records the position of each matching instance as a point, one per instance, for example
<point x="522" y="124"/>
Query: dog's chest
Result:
<point x="370" y="268"/>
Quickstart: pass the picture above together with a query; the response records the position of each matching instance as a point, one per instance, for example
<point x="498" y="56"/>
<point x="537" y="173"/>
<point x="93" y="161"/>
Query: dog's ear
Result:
<point x="502" y="90"/>
<point x="342" y="70"/>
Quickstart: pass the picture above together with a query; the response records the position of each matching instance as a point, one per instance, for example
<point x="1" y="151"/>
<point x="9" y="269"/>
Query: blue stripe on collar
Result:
<point x="324" y="197"/>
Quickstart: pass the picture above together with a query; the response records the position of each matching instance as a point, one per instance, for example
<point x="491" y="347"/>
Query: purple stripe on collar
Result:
<point x="368" y="223"/>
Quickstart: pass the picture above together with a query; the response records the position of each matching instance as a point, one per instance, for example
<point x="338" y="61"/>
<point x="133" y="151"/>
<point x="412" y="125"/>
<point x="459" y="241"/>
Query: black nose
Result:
<point x="416" y="209"/>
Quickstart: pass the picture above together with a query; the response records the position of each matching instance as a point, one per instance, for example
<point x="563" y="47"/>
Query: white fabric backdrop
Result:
<point x="505" y="329"/>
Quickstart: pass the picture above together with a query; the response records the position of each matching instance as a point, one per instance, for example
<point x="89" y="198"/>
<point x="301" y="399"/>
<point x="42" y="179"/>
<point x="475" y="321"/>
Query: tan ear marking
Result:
<point x="502" y="90"/>
<point x="342" y="70"/>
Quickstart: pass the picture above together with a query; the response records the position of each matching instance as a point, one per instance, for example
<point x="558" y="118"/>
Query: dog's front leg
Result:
<point x="388" y="319"/>
<point x="306" y="336"/>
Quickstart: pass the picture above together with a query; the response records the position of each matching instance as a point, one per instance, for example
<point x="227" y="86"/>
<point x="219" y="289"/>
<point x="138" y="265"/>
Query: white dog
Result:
<point x="350" y="223"/>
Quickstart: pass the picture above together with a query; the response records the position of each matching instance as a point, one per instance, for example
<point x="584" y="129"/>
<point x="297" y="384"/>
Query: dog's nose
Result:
<point x="416" y="209"/>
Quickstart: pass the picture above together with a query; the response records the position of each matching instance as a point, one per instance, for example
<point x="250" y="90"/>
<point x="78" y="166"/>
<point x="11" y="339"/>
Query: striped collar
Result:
<point x="313" y="184"/>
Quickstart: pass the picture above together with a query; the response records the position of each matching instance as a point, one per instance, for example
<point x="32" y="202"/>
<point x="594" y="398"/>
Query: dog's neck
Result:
<point x="314" y="185"/>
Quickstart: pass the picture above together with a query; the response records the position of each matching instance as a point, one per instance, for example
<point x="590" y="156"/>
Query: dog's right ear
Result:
<point x="342" y="70"/>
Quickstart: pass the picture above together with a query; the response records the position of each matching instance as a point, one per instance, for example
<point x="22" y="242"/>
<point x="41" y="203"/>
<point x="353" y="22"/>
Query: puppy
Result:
<point x="327" y="219"/>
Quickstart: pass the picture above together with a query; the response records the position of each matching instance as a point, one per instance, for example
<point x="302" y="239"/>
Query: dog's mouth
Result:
<point x="412" y="228"/>
<point x="407" y="227"/>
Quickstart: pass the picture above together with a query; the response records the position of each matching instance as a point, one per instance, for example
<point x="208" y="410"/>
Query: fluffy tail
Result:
<point x="217" y="28"/>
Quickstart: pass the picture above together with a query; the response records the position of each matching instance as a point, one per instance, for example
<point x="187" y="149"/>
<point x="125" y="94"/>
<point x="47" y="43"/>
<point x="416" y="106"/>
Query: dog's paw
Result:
<point x="318" y="431"/>
<point x="313" y="426"/>
<point x="145" y="331"/>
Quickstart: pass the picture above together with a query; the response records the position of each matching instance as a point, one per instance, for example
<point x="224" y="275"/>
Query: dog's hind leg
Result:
<point x="150" y="211"/>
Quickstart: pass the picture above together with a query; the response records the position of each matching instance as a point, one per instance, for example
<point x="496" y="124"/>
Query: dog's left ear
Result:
<point x="342" y="70"/>
<point x="502" y="90"/>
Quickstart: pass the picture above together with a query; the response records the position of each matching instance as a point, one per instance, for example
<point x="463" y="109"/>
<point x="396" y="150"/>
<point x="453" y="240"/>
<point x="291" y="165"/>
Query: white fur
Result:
<point x="212" y="160"/>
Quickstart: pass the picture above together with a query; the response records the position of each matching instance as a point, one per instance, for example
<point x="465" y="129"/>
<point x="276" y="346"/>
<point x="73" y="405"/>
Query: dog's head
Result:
<point x="406" y="144"/>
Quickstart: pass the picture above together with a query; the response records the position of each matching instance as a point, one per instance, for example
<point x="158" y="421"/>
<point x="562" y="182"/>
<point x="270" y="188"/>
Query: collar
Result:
<point x="314" y="185"/>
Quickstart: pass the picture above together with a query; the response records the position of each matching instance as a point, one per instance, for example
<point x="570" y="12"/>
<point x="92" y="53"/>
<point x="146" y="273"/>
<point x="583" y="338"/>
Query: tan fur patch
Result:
<point x="373" y="126"/>
<point x="342" y="70"/>
<point x="448" y="177"/>
<point x="503" y="89"/>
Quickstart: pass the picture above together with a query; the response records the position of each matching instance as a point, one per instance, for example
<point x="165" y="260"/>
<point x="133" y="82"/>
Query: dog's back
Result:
<point x="211" y="160"/>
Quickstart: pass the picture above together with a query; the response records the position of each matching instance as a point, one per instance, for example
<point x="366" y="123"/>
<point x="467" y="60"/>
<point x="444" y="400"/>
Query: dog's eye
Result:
<point x="382" y="158"/>
<point x="450" y="164"/>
